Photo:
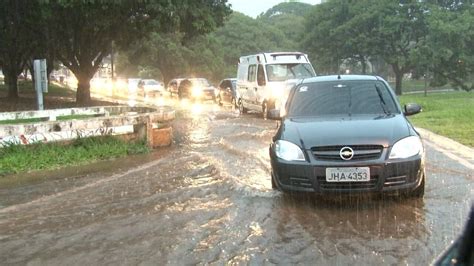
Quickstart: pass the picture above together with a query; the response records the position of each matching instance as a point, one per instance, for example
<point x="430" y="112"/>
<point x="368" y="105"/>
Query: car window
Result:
<point x="151" y="82"/>
<point x="222" y="84"/>
<point x="282" y="72"/>
<point x="342" y="98"/>
<point x="252" y="73"/>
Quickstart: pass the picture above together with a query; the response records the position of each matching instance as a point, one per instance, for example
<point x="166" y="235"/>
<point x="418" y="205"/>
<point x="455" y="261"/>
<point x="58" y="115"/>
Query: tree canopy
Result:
<point x="84" y="31"/>
<point x="166" y="39"/>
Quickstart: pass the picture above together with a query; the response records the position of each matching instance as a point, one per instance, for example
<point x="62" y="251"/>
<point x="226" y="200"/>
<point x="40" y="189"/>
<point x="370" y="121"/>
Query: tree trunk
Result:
<point x="363" y="62"/>
<point x="11" y="80"/>
<point x="398" y="82"/>
<point x="398" y="78"/>
<point x="83" y="93"/>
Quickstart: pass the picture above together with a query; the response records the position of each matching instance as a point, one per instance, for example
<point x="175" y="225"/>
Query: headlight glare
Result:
<point x="288" y="151"/>
<point x="196" y="91"/>
<point x="407" y="147"/>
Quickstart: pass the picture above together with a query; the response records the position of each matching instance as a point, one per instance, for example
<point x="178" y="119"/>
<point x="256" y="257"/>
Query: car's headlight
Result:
<point x="406" y="148"/>
<point x="196" y="91"/>
<point x="288" y="151"/>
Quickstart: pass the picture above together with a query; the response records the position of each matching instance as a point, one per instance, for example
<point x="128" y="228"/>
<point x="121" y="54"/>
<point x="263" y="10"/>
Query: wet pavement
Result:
<point x="208" y="200"/>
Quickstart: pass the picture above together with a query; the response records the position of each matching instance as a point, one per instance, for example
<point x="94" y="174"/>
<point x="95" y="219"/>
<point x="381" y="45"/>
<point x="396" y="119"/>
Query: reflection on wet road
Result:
<point x="208" y="199"/>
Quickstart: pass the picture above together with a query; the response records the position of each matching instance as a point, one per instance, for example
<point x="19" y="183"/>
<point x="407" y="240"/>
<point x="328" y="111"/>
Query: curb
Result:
<point x="449" y="147"/>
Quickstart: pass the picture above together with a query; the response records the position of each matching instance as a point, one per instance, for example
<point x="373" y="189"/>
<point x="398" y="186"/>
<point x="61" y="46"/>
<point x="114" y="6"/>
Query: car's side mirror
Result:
<point x="411" y="109"/>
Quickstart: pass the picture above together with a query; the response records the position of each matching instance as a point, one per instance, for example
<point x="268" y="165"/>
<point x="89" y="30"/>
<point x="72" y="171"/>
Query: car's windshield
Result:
<point x="201" y="82"/>
<point x="282" y="72"/>
<point x="151" y="82"/>
<point x="342" y="98"/>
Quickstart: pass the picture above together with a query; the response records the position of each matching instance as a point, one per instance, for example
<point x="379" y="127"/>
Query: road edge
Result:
<point x="453" y="149"/>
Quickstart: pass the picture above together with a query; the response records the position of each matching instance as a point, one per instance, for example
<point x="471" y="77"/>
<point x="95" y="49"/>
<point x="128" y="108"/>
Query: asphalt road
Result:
<point x="208" y="200"/>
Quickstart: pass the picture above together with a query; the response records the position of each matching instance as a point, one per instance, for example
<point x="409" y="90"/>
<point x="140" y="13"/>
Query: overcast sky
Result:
<point x="253" y="8"/>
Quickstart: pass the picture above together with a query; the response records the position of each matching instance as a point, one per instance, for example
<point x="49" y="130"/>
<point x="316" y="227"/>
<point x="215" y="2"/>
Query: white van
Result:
<point x="263" y="79"/>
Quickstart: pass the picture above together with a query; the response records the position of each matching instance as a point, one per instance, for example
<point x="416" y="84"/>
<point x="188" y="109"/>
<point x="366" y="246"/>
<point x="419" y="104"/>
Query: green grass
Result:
<point x="35" y="120"/>
<point x="448" y="114"/>
<point x="417" y="85"/>
<point x="53" y="89"/>
<point x="20" y="158"/>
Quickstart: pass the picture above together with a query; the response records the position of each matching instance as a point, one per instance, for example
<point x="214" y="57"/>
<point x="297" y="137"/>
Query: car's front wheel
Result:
<point x="419" y="192"/>
<point x="265" y="110"/>
<point x="234" y="104"/>
<point x="242" y="109"/>
<point x="274" y="185"/>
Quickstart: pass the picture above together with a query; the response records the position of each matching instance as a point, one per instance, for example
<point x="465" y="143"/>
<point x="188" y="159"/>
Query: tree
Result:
<point x="289" y="18"/>
<point x="85" y="29"/>
<point x="243" y="35"/>
<point x="451" y="50"/>
<point x="401" y="35"/>
<point x="18" y="37"/>
<point x="322" y="40"/>
<point x="394" y="31"/>
<point x="161" y="53"/>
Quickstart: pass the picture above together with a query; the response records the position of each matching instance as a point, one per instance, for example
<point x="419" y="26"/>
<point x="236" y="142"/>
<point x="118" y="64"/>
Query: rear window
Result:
<point x="342" y="98"/>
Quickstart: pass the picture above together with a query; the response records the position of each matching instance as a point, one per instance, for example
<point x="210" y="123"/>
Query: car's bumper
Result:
<point x="386" y="176"/>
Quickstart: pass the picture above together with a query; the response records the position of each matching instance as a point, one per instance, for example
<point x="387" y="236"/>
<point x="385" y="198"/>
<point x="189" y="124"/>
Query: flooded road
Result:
<point x="208" y="200"/>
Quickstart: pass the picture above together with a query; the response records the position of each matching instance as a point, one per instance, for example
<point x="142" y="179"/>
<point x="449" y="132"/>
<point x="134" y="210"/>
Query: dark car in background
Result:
<point x="227" y="92"/>
<point x="347" y="135"/>
<point x="196" y="89"/>
<point x="173" y="86"/>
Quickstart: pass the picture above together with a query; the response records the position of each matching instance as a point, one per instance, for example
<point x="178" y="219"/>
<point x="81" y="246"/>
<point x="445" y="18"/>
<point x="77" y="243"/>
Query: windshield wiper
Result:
<point x="382" y="101"/>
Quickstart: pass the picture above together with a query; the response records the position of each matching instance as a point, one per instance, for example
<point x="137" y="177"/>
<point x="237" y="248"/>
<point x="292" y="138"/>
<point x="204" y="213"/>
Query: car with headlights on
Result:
<point x="148" y="87"/>
<point x="347" y="134"/>
<point x="197" y="89"/>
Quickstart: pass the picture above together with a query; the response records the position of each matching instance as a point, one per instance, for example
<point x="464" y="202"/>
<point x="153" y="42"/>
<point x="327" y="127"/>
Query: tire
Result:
<point x="274" y="185"/>
<point x="265" y="110"/>
<point x="219" y="100"/>
<point x="234" y="104"/>
<point x="419" y="192"/>
<point x="242" y="109"/>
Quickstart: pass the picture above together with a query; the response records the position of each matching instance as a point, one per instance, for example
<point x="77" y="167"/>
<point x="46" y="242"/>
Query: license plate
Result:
<point x="348" y="174"/>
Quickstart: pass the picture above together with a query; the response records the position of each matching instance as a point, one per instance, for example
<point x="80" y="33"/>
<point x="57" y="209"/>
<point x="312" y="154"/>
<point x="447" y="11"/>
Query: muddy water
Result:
<point x="208" y="199"/>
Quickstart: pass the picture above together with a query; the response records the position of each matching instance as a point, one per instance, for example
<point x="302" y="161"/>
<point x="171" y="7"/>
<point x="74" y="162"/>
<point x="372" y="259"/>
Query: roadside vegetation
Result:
<point x="449" y="114"/>
<point x="27" y="87"/>
<point x="17" y="158"/>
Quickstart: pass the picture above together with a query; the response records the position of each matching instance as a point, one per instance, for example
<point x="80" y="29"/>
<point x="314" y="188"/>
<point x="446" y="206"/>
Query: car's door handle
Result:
<point x="255" y="89"/>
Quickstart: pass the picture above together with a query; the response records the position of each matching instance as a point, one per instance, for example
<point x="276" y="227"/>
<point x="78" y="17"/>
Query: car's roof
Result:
<point x="341" y="78"/>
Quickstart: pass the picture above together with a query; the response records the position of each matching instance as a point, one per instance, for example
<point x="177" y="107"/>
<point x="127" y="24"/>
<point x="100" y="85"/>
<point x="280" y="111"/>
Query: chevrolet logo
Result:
<point x="346" y="153"/>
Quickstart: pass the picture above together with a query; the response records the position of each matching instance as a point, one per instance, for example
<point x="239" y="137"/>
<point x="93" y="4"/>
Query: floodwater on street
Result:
<point x="208" y="200"/>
